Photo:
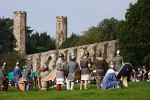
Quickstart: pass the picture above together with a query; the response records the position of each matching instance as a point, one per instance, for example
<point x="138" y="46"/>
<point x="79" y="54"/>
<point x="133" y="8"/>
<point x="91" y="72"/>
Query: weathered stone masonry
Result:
<point x="108" y="50"/>
<point x="19" y="31"/>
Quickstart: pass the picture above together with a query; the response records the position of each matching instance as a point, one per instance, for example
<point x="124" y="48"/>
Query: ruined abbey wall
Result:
<point x="108" y="50"/>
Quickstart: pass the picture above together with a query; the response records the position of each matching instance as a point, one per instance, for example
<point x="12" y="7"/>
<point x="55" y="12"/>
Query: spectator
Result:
<point x="139" y="74"/>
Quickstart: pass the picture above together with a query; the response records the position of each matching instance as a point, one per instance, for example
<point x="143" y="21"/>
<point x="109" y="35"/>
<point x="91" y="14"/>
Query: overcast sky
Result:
<point x="81" y="14"/>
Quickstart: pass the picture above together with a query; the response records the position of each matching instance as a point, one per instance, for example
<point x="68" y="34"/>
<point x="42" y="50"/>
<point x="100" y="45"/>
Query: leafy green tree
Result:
<point x="107" y="27"/>
<point x="71" y="41"/>
<point x="104" y="31"/>
<point x="134" y="35"/>
<point x="39" y="42"/>
<point x="7" y="39"/>
<point x="29" y="48"/>
<point x="11" y="58"/>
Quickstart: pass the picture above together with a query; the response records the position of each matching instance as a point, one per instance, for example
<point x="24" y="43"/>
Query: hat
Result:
<point x="17" y="63"/>
<point x="112" y="65"/>
<point x="4" y="64"/>
<point x="73" y="57"/>
<point x="61" y="55"/>
<point x="118" y="52"/>
<point x="45" y="67"/>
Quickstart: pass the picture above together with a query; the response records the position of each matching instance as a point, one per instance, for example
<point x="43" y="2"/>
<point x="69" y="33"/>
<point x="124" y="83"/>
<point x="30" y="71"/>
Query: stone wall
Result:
<point x="61" y="30"/>
<point x="108" y="50"/>
<point x="19" y="31"/>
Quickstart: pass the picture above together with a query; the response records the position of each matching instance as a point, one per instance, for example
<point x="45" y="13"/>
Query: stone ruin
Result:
<point x="108" y="50"/>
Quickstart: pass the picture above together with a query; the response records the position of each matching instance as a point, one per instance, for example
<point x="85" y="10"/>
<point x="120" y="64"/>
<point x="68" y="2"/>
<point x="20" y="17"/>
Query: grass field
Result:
<point x="135" y="91"/>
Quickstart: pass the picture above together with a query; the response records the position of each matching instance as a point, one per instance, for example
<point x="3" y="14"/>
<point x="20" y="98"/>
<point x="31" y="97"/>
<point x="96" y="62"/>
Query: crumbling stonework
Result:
<point x="61" y="30"/>
<point x="108" y="50"/>
<point x="19" y="31"/>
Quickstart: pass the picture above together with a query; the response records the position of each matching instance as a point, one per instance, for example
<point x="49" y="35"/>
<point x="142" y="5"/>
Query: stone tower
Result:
<point x="61" y="30"/>
<point x="19" y="31"/>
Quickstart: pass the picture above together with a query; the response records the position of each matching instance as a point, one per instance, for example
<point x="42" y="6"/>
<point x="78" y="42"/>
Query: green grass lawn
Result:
<point x="135" y="91"/>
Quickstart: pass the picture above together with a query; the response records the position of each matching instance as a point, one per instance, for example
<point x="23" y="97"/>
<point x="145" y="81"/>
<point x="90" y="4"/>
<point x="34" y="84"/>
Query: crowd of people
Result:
<point x="142" y="74"/>
<point x="105" y="74"/>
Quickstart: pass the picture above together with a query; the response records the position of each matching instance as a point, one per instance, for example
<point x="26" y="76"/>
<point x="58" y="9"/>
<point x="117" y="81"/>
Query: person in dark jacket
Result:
<point x="101" y="68"/>
<point x="85" y="64"/>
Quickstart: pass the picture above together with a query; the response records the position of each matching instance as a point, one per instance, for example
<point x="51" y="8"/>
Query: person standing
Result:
<point x="85" y="64"/>
<point x="26" y="78"/>
<point x="110" y="81"/>
<point x="3" y="77"/>
<point x="101" y="69"/>
<point x="43" y="74"/>
<point x="17" y="75"/>
<point x="60" y="71"/>
<point x="118" y="60"/>
<point x="71" y="66"/>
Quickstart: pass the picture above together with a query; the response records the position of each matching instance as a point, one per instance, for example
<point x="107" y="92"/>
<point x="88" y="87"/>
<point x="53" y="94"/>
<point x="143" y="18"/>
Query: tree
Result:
<point x="7" y="39"/>
<point x="39" y="42"/>
<point x="29" y="48"/>
<point x="11" y="58"/>
<point x="107" y="27"/>
<point x="134" y="40"/>
<point x="71" y="41"/>
<point x="104" y="31"/>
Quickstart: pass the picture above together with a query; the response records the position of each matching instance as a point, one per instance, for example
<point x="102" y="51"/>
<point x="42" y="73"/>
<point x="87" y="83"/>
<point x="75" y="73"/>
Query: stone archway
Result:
<point x="51" y="60"/>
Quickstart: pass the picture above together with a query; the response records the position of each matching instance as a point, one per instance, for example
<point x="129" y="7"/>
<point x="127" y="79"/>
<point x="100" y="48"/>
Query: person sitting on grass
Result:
<point x="110" y="81"/>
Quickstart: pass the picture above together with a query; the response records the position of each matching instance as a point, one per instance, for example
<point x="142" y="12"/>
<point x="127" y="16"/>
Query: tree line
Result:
<point x="132" y="33"/>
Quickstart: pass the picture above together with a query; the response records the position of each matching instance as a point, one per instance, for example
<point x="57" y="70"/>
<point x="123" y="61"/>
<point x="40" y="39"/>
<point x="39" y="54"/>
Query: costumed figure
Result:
<point x="118" y="60"/>
<point x="43" y="74"/>
<point x="110" y="81"/>
<point x="71" y="66"/>
<point x="101" y="69"/>
<point x="17" y="75"/>
<point x="3" y="78"/>
<point x="60" y="71"/>
<point x="26" y="78"/>
<point x="85" y="64"/>
<point x="144" y="73"/>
